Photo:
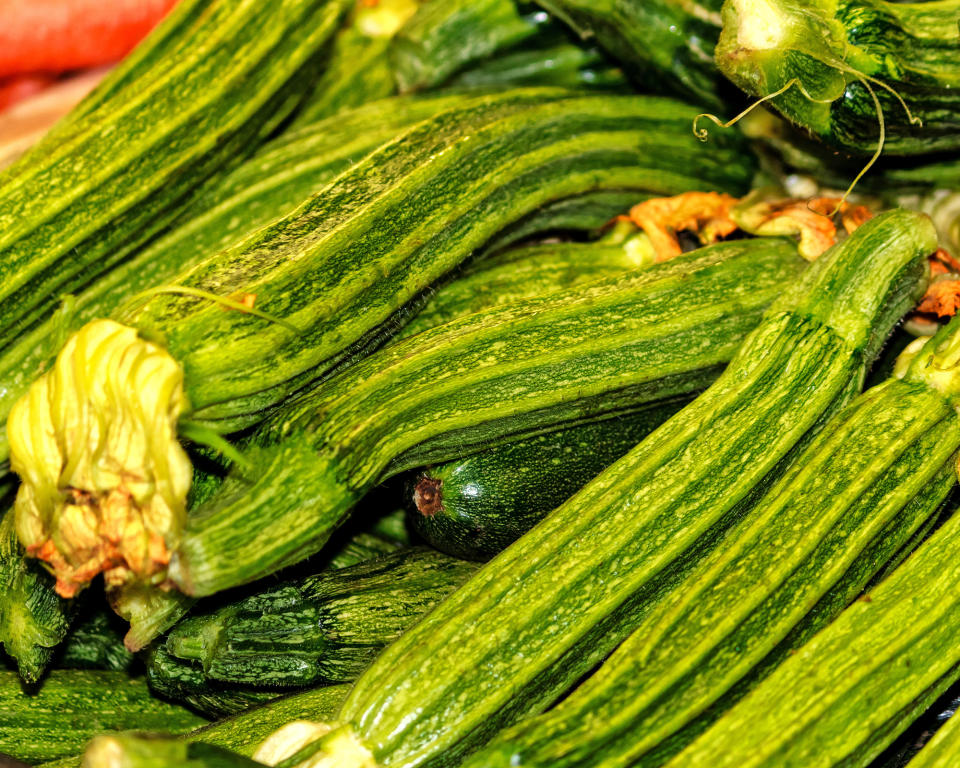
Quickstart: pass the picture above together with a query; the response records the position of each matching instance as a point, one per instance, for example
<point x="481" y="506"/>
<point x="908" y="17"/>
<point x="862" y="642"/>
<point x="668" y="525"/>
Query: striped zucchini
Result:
<point x="802" y="553"/>
<point x="846" y="693"/>
<point x="198" y="93"/>
<point x="664" y="45"/>
<point x="838" y="56"/>
<point x="476" y="506"/>
<point x="548" y="608"/>
<point x="559" y="359"/>
<point x="521" y="273"/>
<point x="71" y="706"/>
<point x="96" y="642"/>
<point x="321" y="629"/>
<point x="270" y="184"/>
<point x="943" y="750"/>
<point x="324" y="295"/>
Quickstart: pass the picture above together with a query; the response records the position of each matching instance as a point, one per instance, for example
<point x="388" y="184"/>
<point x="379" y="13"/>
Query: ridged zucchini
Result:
<point x="197" y="95"/>
<point x="664" y="45"/>
<point x="846" y="693"/>
<point x="321" y="629"/>
<point x="73" y="705"/>
<point x="521" y="273"/>
<point x="547" y="609"/>
<point x="96" y="642"/>
<point x="833" y="53"/>
<point x="533" y="366"/>
<point x="476" y="506"/>
<point x="875" y="474"/>
<point x="33" y="618"/>
<point x="392" y="225"/>
<point x="277" y="178"/>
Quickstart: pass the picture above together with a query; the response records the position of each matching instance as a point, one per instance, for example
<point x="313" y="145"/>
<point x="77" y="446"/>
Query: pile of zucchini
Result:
<point x="408" y="383"/>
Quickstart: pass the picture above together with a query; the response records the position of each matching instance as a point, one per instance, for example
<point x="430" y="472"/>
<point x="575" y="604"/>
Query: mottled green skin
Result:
<point x="324" y="628"/>
<point x="270" y="184"/>
<point x="664" y="45"/>
<point x="96" y="642"/>
<point x="181" y="681"/>
<point x="912" y="47"/>
<point x="72" y="706"/>
<point x="444" y="38"/>
<point x="517" y="274"/>
<point x="116" y="172"/>
<point x="548" y="608"/>
<point x="34" y="619"/>
<point x="485" y="502"/>
<point x="557" y="359"/>
<point x="875" y="474"/>
<point x="843" y="696"/>
<point x="343" y="264"/>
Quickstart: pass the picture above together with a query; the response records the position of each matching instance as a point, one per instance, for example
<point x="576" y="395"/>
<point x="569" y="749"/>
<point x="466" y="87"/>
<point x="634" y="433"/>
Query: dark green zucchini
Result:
<point x="666" y="46"/>
<point x="530" y="367"/>
<point x="71" y="706"/>
<point x="96" y="642"/>
<point x="324" y="628"/>
<point x="198" y="95"/>
<point x="547" y="609"/>
<point x="475" y="507"/>
<point x="33" y="618"/>
<point x="414" y="209"/>
<point x="831" y="65"/>
<point x="874" y="476"/>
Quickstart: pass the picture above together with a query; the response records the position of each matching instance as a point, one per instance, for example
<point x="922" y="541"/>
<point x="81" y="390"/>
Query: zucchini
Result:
<point x="132" y="751"/>
<point x="33" y="618"/>
<point x="270" y="184"/>
<point x="846" y="693"/>
<point x="664" y="45"/>
<point x="197" y="95"/>
<point x="454" y="180"/>
<point x="476" y="506"/>
<point x="73" y="705"/>
<point x="837" y="57"/>
<point x="176" y="680"/>
<point x="521" y="273"/>
<point x="96" y="642"/>
<point x="547" y="609"/>
<point x="533" y="366"/>
<point x="943" y="750"/>
<point x="798" y="556"/>
<point x="325" y="628"/>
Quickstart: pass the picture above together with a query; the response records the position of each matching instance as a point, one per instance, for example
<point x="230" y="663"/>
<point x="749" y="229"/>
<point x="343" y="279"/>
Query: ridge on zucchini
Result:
<point x="247" y="327"/>
<point x="875" y="475"/>
<point x="545" y="611"/>
<point x="529" y="367"/>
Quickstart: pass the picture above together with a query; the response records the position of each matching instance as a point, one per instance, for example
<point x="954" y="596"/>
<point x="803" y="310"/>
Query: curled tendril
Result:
<point x="139" y="299"/>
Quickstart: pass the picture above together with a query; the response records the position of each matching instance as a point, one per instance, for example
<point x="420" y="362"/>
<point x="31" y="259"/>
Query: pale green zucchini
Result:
<point x="131" y="751"/>
<point x="529" y="367"/>
<point x="454" y="181"/>
<point x="943" y="750"/>
<point x="556" y="602"/>
<point x="873" y="477"/>
<point x="72" y="706"/>
<point x="196" y="97"/>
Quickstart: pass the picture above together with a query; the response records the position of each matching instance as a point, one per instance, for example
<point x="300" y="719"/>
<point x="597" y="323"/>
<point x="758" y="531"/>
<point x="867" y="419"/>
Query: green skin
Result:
<point x="96" y="642"/>
<point x="321" y="629"/>
<point x="573" y="355"/>
<point x="124" y="164"/>
<point x="664" y="45"/>
<point x="466" y="174"/>
<point x="131" y="751"/>
<point x="547" y="609"/>
<point x="849" y="691"/>
<point x="73" y="705"/>
<point x="829" y="45"/>
<point x="477" y="506"/>
<point x="779" y="575"/>
<point x="943" y="750"/>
